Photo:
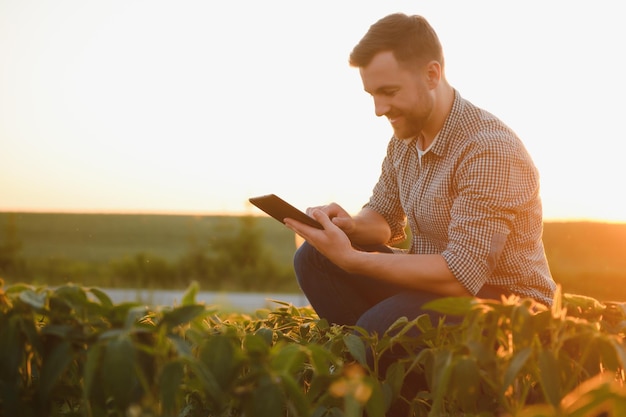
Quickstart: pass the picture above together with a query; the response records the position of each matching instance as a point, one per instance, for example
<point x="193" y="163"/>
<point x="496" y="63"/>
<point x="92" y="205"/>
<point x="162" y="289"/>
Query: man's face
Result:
<point x="401" y="94"/>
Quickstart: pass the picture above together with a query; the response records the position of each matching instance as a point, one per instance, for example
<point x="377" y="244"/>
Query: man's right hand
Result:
<point x="367" y="227"/>
<point x="337" y="215"/>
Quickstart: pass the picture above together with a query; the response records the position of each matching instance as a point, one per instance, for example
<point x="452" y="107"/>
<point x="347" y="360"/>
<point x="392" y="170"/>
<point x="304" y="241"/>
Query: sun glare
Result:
<point x="124" y="107"/>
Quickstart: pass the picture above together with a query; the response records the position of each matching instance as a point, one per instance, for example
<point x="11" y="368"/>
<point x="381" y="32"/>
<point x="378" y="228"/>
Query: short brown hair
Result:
<point x="411" y="39"/>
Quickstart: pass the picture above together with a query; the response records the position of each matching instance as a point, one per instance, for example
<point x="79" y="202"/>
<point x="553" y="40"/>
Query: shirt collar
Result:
<point x="445" y="134"/>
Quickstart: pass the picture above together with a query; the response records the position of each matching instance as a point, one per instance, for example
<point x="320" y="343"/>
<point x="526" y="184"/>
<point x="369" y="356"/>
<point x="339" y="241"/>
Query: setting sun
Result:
<point x="161" y="107"/>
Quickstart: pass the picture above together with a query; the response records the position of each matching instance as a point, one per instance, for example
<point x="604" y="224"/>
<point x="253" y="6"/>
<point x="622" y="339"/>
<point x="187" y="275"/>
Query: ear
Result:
<point x="433" y="74"/>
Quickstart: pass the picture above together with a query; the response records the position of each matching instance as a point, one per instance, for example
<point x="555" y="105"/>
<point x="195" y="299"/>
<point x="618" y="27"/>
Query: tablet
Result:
<point x="280" y="209"/>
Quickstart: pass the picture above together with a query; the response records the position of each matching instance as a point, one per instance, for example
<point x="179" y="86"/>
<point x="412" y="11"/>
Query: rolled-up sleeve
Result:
<point x="473" y="197"/>
<point x="384" y="199"/>
<point x="494" y="182"/>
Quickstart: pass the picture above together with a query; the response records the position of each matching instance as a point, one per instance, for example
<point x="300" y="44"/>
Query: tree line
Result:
<point x="235" y="260"/>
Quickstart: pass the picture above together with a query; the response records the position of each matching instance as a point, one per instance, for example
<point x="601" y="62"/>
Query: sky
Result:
<point x="194" y="106"/>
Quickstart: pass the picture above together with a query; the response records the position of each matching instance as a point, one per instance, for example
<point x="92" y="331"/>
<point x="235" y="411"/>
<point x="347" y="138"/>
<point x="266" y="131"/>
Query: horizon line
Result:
<point x="235" y="213"/>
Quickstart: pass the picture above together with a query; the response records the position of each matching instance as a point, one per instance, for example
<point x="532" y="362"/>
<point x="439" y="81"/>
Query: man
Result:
<point x="462" y="179"/>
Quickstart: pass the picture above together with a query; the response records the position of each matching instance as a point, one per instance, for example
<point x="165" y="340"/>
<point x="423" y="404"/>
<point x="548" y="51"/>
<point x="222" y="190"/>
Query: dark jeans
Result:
<point x="348" y="299"/>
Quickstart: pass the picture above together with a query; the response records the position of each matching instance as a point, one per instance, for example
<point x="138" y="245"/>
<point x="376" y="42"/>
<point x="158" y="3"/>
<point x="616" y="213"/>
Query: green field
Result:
<point x="585" y="257"/>
<point x="100" y="238"/>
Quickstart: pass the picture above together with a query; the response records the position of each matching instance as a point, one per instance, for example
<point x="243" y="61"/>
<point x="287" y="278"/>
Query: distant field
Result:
<point x="588" y="258"/>
<point x="585" y="257"/>
<point x="102" y="237"/>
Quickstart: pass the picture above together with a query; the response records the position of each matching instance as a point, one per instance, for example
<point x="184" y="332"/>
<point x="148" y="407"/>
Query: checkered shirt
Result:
<point x="474" y="199"/>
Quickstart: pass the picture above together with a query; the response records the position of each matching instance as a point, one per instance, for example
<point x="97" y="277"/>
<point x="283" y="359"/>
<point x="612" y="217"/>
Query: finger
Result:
<point x="300" y="228"/>
<point x="321" y="217"/>
<point x="309" y="211"/>
<point x="341" y="222"/>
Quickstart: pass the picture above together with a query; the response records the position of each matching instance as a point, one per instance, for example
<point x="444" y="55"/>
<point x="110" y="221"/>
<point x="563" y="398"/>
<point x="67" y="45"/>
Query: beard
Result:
<point x="409" y="122"/>
<point x="409" y="128"/>
<point x="410" y="125"/>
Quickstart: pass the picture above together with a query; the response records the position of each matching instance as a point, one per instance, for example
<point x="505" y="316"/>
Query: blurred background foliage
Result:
<point x="240" y="253"/>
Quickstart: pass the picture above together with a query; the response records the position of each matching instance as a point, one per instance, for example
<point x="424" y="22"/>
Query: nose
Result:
<point x="381" y="106"/>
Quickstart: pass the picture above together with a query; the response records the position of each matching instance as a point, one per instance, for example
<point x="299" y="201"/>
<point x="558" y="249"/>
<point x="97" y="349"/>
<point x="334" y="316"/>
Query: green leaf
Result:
<point x="591" y="398"/>
<point x="619" y="406"/>
<point x="356" y="347"/>
<point x="466" y="380"/>
<point x="317" y="392"/>
<point x="32" y="334"/>
<point x="73" y="295"/>
<point x="484" y="352"/>
<point x="295" y="396"/>
<point x="11" y="348"/>
<point x="71" y="292"/>
<point x="53" y="367"/>
<point x="266" y="334"/>
<point x="541" y="320"/>
<point x="536" y="410"/>
<point x="118" y="314"/>
<point x="515" y="366"/>
<point x="455" y="306"/>
<point x="18" y="288"/>
<point x="189" y="298"/>
<point x="400" y="322"/>
<point x="424" y="323"/>
<point x="395" y="378"/>
<point x="218" y="353"/>
<point x="134" y="315"/>
<point x="112" y="333"/>
<point x="375" y="406"/>
<point x="289" y="359"/>
<point x="181" y="315"/>
<point x="352" y="406"/>
<point x="320" y="358"/>
<point x="549" y="372"/>
<point x="521" y="326"/>
<point x="608" y="353"/>
<point x="91" y="369"/>
<point x="583" y="302"/>
<point x="620" y="351"/>
<point x="170" y="384"/>
<point x="441" y="380"/>
<point x="407" y="326"/>
<point x="322" y="325"/>
<point x="182" y="346"/>
<point x="266" y="399"/>
<point x="102" y="297"/>
<point x="255" y="344"/>
<point x="208" y="381"/>
<point x="34" y="299"/>
<point x="62" y="330"/>
<point x="119" y="377"/>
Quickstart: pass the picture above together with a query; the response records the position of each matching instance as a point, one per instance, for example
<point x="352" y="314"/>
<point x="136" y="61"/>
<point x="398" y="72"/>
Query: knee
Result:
<point x="380" y="317"/>
<point x="303" y="255"/>
<point x="373" y="322"/>
<point x="303" y="261"/>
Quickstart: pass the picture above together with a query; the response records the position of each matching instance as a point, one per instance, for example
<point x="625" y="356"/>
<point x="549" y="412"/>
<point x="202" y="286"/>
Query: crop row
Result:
<point x="70" y="351"/>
